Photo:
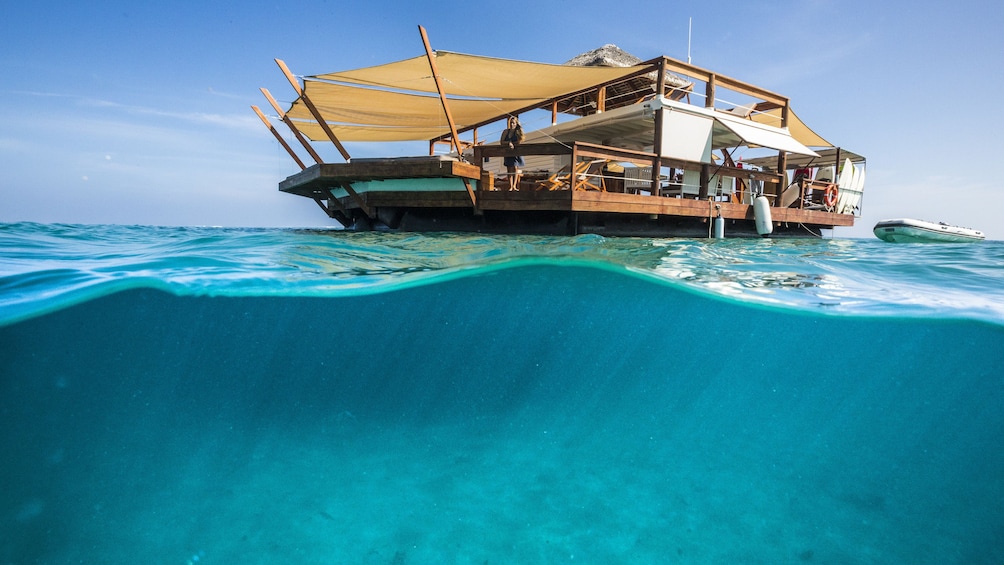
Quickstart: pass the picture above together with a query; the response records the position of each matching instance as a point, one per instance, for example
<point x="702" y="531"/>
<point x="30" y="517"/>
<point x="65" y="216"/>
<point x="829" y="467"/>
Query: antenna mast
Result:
<point x="690" y="28"/>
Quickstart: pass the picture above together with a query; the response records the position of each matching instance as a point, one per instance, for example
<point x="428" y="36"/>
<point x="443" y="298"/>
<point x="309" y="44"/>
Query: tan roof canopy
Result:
<point x="399" y="101"/>
<point x="796" y="126"/>
<point x="482" y="77"/>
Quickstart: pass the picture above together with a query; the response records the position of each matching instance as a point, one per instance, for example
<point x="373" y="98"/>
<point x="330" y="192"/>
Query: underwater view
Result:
<point x="217" y="395"/>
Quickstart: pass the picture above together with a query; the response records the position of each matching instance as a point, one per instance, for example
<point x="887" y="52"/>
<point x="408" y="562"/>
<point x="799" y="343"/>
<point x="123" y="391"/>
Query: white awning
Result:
<point x="762" y="135"/>
<point x="748" y="131"/>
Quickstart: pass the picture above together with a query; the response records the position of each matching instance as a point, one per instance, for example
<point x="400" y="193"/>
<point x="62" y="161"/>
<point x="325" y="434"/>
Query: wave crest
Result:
<point x="46" y="267"/>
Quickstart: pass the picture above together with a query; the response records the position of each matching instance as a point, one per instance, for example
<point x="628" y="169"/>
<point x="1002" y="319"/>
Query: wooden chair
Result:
<point x="591" y="178"/>
<point x="587" y="175"/>
<point x="554" y="181"/>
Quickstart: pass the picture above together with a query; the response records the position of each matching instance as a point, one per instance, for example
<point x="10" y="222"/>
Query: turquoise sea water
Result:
<point x="183" y="395"/>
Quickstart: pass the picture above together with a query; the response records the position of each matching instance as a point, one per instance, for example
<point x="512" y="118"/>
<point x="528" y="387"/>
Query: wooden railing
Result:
<point x="581" y="150"/>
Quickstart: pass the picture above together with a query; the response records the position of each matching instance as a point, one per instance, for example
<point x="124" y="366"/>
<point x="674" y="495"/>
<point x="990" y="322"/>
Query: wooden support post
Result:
<point x="601" y="99"/>
<point x="289" y="123"/>
<point x="782" y="159"/>
<point x="709" y="91"/>
<point x="657" y="149"/>
<point x="702" y="193"/>
<point x="278" y="137"/>
<point x="313" y="109"/>
<point x="554" y="113"/>
<point x="572" y="177"/>
<point x="660" y="90"/>
<point x="446" y="108"/>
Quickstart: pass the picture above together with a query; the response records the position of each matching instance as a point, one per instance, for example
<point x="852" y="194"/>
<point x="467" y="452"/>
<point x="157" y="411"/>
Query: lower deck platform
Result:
<point x="448" y="195"/>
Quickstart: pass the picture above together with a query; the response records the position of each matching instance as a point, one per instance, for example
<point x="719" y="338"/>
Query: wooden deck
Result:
<point x="315" y="181"/>
<point x="557" y="211"/>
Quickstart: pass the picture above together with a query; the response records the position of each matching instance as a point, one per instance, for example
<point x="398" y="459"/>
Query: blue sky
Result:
<point x="139" y="113"/>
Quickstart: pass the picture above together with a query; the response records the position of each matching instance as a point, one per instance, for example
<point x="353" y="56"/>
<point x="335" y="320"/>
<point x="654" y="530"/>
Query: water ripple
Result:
<point x="44" y="267"/>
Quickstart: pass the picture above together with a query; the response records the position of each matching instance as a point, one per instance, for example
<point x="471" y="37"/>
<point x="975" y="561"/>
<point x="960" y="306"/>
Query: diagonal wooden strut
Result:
<point x="289" y="123"/>
<point x="313" y="109"/>
<point x="285" y="118"/>
<point x="446" y="107"/>
<point x="278" y="137"/>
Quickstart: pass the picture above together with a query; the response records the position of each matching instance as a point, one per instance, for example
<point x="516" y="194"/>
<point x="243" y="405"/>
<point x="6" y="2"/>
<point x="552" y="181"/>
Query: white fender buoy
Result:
<point x="761" y="216"/>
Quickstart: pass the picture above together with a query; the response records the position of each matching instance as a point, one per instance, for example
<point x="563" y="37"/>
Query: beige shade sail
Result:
<point x="482" y="77"/>
<point x="384" y="103"/>
<point x="350" y="105"/>
<point x="371" y="133"/>
<point x="399" y="101"/>
<point x="796" y="127"/>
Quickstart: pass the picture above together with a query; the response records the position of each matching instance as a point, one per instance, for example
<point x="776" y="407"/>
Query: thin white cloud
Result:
<point x="215" y="92"/>
<point x="243" y="122"/>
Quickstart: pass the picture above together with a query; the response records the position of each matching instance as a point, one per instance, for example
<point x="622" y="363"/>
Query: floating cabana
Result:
<point x="627" y="147"/>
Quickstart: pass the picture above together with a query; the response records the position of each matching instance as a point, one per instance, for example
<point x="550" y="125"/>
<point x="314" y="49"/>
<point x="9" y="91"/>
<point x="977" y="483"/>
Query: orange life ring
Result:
<point x="830" y="196"/>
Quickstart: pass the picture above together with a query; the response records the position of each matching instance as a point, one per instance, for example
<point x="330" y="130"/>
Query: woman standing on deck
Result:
<point x="511" y="137"/>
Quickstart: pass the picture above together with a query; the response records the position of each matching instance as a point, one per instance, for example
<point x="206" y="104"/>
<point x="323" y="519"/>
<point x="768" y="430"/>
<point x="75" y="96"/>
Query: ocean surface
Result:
<point x="220" y="396"/>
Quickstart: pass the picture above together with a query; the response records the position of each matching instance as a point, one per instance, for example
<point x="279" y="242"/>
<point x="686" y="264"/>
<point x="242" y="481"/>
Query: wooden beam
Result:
<point x="323" y="206"/>
<point x="278" y="137"/>
<point x="313" y="109"/>
<point x="705" y="75"/>
<point x="405" y="199"/>
<point x="338" y="215"/>
<point x="709" y="91"/>
<point x="334" y="200"/>
<point x="439" y="87"/>
<point x="583" y="150"/>
<point x="572" y="176"/>
<point x="660" y="125"/>
<point x="525" y="149"/>
<point x="356" y="198"/>
<point x="319" y="176"/>
<point x="446" y="107"/>
<point x="289" y="123"/>
<point x="782" y="157"/>
<point x="611" y="153"/>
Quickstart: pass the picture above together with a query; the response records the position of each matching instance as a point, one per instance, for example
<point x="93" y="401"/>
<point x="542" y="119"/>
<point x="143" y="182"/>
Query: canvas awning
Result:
<point x="399" y="101"/>
<point x="824" y="158"/>
<point x="761" y="135"/>
<point x="796" y="127"/>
